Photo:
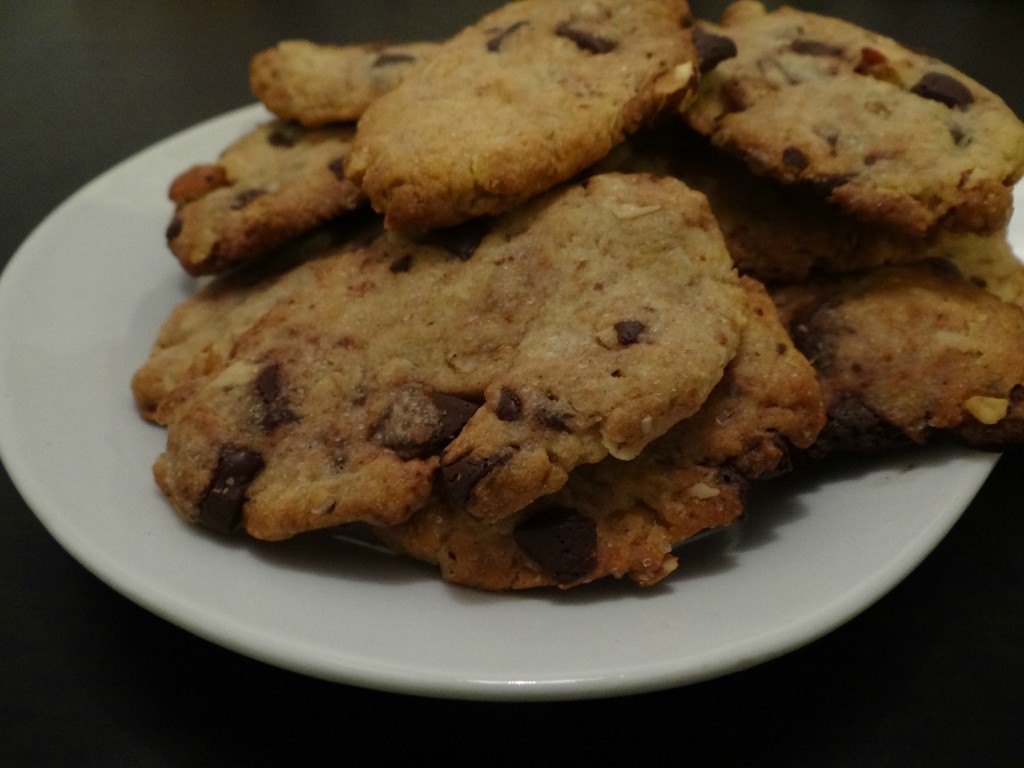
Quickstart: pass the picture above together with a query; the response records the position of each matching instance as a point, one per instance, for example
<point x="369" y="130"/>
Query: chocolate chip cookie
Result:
<point x="273" y="184"/>
<point x="198" y="336"/>
<point x="525" y="98"/>
<point x="781" y="233"/>
<point x="623" y="518"/>
<point x="320" y="84"/>
<point x="499" y="355"/>
<point x="889" y="136"/>
<point x="905" y="353"/>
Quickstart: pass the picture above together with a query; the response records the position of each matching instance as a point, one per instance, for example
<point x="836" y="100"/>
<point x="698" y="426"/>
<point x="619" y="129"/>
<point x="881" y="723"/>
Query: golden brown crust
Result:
<point x="623" y="518"/>
<point x="270" y="186"/>
<point x="525" y="98"/>
<point x="904" y="353"/>
<point x="891" y="137"/>
<point x="316" y="85"/>
<point x="586" y="323"/>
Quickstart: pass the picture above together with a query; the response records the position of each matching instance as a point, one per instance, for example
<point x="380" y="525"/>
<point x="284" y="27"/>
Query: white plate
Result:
<point x="80" y="304"/>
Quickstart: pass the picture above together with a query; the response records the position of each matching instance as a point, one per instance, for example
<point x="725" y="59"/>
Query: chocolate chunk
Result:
<point x="585" y="41"/>
<point x="494" y="43"/>
<point x="453" y="413"/>
<point x="386" y="58"/>
<point x="795" y="158"/>
<point x="276" y="411"/>
<point x="629" y="331"/>
<point x="337" y="167"/>
<point x="420" y="423"/>
<point x="712" y="49"/>
<point x="242" y="199"/>
<point x="284" y="135"/>
<point x="815" y="48"/>
<point x="510" y="407"/>
<point x="403" y="264"/>
<point x="562" y="542"/>
<point x="174" y="228"/>
<point x="945" y="89"/>
<point x="459" y="478"/>
<point x="220" y="507"/>
<point x="462" y="240"/>
<point x="853" y="426"/>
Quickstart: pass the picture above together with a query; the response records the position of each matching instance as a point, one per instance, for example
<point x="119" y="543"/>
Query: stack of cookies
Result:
<point x="539" y="302"/>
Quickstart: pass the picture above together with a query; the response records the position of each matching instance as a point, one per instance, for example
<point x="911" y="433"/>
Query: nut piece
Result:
<point x="987" y="410"/>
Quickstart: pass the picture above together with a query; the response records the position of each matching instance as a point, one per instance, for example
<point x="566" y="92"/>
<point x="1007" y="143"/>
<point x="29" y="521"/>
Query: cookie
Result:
<point x="320" y="84"/>
<point x="905" y="353"/>
<point x="780" y="233"/>
<point x="624" y="518"/>
<point x="273" y="184"/>
<point x="198" y="336"/>
<point x="892" y="137"/>
<point x="498" y="356"/>
<point x="989" y="262"/>
<point x="527" y="97"/>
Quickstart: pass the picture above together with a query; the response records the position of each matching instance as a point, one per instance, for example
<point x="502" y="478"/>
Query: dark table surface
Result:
<point x="932" y="674"/>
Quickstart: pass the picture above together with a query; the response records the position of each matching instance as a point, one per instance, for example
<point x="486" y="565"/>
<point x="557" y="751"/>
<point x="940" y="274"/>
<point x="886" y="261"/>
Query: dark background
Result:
<point x="933" y="674"/>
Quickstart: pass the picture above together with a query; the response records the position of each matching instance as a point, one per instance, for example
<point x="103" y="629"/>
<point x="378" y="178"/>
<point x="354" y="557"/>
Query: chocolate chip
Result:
<point x="959" y="136"/>
<point x="402" y="264"/>
<point x="242" y="199"/>
<point x="337" y="167"/>
<point x="284" y="135"/>
<point x="494" y="43"/>
<point x="276" y="411"/>
<point x="945" y="89"/>
<point x="795" y="158"/>
<point x="562" y="541"/>
<point x="585" y="41"/>
<point x="220" y="507"/>
<point x="712" y="49"/>
<point x="386" y="59"/>
<point x="268" y="383"/>
<point x="462" y="240"/>
<point x="815" y="48"/>
<point x="629" y="331"/>
<point x="459" y="478"/>
<point x="453" y="413"/>
<point x="510" y="407"/>
<point x="420" y="423"/>
<point x="174" y="228"/>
